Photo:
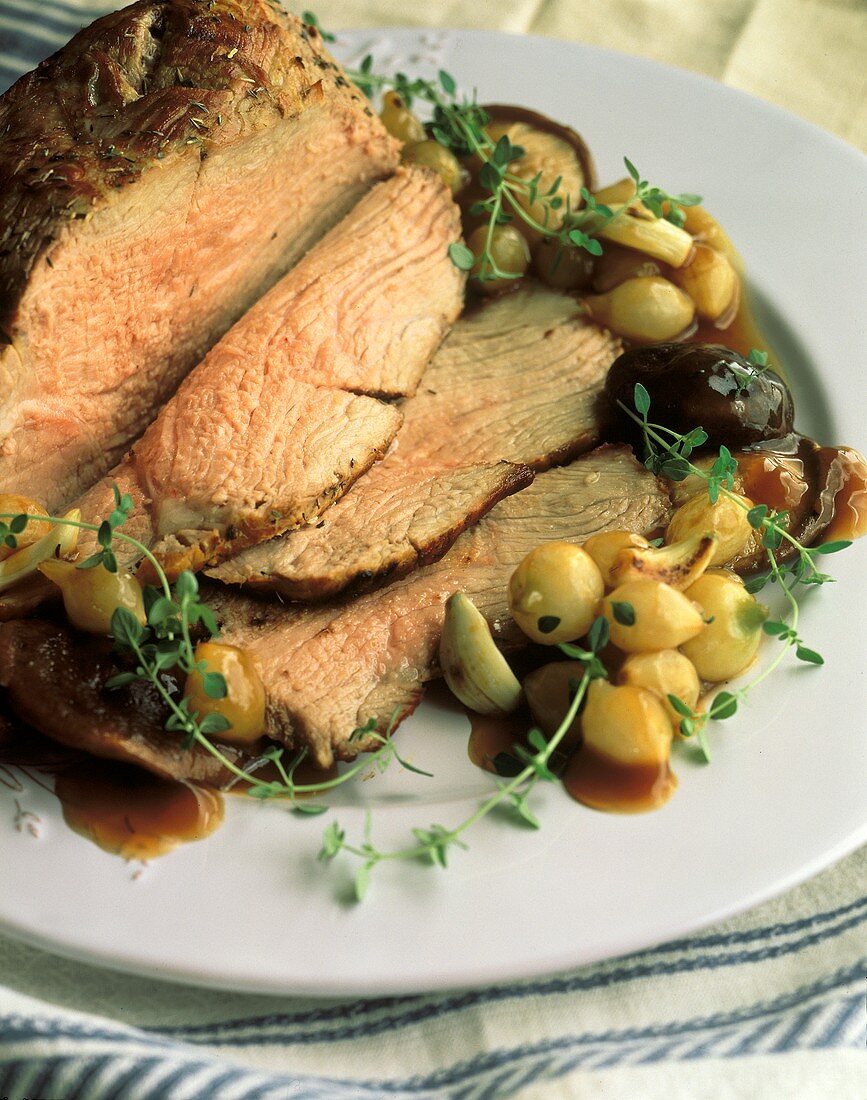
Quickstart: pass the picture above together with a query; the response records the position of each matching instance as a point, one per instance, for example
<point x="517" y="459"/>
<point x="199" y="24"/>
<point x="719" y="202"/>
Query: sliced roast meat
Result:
<point x="274" y="424"/>
<point x="397" y="518"/>
<point x="157" y="175"/>
<point x="55" y="681"/>
<point x="279" y="465"/>
<point x="520" y="378"/>
<point x="516" y="384"/>
<point x="367" y="308"/>
<point x="331" y="668"/>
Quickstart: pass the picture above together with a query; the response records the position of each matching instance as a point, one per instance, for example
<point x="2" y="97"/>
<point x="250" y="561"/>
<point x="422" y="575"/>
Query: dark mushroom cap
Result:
<point x="701" y="385"/>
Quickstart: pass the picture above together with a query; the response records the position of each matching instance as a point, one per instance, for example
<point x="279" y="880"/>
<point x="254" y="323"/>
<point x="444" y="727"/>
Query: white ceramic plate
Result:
<point x="250" y="908"/>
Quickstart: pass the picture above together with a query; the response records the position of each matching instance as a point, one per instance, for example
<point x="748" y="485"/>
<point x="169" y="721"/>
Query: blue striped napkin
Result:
<point x="768" y="1005"/>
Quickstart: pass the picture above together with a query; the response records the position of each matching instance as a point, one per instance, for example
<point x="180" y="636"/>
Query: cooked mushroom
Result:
<point x="703" y="384"/>
<point x="555" y="151"/>
<point x="823" y="491"/>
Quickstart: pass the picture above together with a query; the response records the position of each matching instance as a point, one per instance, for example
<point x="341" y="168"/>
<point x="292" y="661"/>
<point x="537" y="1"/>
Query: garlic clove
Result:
<point x="473" y="667"/>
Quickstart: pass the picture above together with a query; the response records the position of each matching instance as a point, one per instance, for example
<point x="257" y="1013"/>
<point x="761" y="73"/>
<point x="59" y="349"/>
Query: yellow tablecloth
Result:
<point x="809" y="56"/>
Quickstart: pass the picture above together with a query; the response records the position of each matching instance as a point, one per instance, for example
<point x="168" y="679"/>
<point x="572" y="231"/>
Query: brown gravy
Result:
<point x="121" y="808"/>
<point x="493" y="734"/>
<point x="740" y="333"/>
<point x="849" y="520"/>
<point x="823" y="489"/>
<point x="589" y="777"/>
<point x="132" y="813"/>
<point x="777" y="479"/>
<point x="606" y="784"/>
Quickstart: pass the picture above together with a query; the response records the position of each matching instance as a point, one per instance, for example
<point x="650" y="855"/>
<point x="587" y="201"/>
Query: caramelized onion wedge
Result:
<point x="679" y="565"/>
<point x="657" y="238"/>
<point x="59" y="542"/>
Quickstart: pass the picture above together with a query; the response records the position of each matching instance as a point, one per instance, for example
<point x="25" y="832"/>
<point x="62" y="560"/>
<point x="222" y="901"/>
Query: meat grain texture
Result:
<point x="157" y="176"/>
<point x="515" y="387"/>
<point x="330" y="669"/>
<point x="280" y="418"/>
<point x="327" y="669"/>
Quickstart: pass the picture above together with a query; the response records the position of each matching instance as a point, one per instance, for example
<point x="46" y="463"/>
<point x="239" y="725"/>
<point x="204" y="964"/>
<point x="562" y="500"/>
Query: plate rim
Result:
<point x="142" y="966"/>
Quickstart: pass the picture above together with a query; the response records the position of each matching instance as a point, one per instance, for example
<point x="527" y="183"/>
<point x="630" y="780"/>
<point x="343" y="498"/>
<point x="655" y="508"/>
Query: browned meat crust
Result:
<point x="157" y="175"/>
<point x="54" y="680"/>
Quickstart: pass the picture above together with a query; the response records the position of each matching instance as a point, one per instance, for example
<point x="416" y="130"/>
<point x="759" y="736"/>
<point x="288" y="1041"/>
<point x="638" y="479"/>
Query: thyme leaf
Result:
<point x="459" y="124"/>
<point x="173" y="612"/>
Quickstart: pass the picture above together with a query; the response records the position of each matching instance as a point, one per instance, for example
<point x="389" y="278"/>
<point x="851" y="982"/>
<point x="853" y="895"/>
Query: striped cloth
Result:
<point x="768" y="1005"/>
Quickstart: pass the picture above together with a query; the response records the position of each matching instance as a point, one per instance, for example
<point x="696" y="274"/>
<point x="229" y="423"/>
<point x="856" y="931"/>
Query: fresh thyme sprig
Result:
<point x="310" y="19"/>
<point x="434" y="843"/>
<point x="166" y="643"/>
<point x="667" y="452"/>
<point x="459" y="124"/>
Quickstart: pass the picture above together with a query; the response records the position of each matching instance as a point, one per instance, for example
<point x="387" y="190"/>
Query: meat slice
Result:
<point x="331" y="668"/>
<point x="397" y="518"/>
<point x="520" y="378"/>
<point x="367" y="309"/>
<point x="275" y="424"/>
<point x="516" y="384"/>
<point x="54" y="680"/>
<point x="157" y="176"/>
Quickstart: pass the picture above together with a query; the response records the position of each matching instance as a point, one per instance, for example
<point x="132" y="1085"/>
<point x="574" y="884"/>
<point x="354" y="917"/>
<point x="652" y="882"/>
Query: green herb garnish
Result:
<point x="173" y="613"/>
<point x="459" y="124"/>
<point x="434" y="843"/>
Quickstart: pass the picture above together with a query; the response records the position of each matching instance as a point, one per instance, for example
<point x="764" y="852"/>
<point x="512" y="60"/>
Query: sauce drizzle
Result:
<point x="588" y="776"/>
<point x="492" y="735"/>
<point x="741" y="334"/>
<point x="606" y="784"/>
<point x="132" y="813"/>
